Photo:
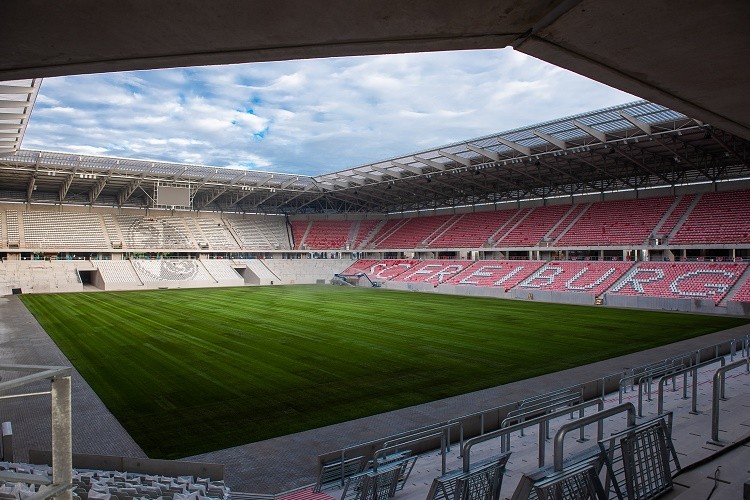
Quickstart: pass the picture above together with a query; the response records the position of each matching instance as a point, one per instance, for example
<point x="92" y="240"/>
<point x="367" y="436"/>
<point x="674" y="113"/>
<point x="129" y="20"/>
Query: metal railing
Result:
<point x="559" y="441"/>
<point x="732" y="347"/>
<point x="541" y="421"/>
<point x="693" y="370"/>
<point x="718" y="394"/>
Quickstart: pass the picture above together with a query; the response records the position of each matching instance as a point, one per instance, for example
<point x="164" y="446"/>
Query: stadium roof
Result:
<point x="634" y="146"/>
<point x="16" y="102"/>
<point x="687" y="56"/>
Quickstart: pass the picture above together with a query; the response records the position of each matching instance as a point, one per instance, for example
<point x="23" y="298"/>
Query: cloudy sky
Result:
<point x="308" y="117"/>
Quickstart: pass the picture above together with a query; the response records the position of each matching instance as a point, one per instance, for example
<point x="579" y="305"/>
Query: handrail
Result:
<point x="744" y="347"/>
<point x="684" y="371"/>
<point x="717" y="390"/>
<point x="596" y="417"/>
<point x="441" y="435"/>
<point x="541" y="420"/>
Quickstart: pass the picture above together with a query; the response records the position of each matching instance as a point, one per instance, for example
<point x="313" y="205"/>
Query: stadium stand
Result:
<point x="675" y="216"/>
<point x="63" y="229"/>
<point x="414" y="232"/>
<point x="188" y="272"/>
<point x="221" y="270"/>
<point x="328" y="235"/>
<point x="625" y="222"/>
<point x="90" y="484"/>
<point x="14" y="236"/>
<point x="681" y="280"/>
<point x="573" y="214"/>
<point x="495" y="273"/>
<point x="473" y="230"/>
<point x="299" y="231"/>
<point x="717" y="218"/>
<point x="433" y="271"/>
<point x="365" y="231"/>
<point x="259" y="274"/>
<point x="42" y="276"/>
<point x="148" y="233"/>
<point x="382" y="269"/>
<point x="217" y="234"/>
<point x="266" y="233"/>
<point x="117" y="274"/>
<point x="576" y="276"/>
<point x="530" y="231"/>
<point x="743" y="292"/>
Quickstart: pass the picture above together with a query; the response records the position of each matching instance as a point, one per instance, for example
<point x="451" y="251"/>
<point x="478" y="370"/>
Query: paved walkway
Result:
<point x="278" y="464"/>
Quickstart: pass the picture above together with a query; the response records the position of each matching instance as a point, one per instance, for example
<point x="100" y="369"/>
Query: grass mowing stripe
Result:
<point x="190" y="371"/>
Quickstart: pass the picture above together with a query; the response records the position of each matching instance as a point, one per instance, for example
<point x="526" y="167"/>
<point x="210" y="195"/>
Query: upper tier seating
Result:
<point x="63" y="230"/>
<point x="260" y="233"/>
<point x="574" y="212"/>
<point x="366" y="227"/>
<point x="151" y="233"/>
<point x="530" y="231"/>
<point x="717" y="218"/>
<point x="328" y="235"/>
<point x="504" y="274"/>
<point x="433" y="271"/>
<point x="676" y="215"/>
<point x="299" y="229"/>
<point x="217" y="234"/>
<point x="473" y="230"/>
<point x="681" y="280"/>
<point x="414" y="232"/>
<point x="576" y="276"/>
<point x="622" y="222"/>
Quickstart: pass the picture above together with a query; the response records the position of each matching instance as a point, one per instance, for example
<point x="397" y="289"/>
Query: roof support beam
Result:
<point x="512" y="145"/>
<point x="30" y="188"/>
<point x="458" y="159"/>
<point x="601" y="136"/>
<point x="633" y="160"/>
<point x="66" y="184"/>
<point x="97" y="189"/>
<point x="492" y="155"/>
<point x="408" y="168"/>
<point x="552" y="140"/>
<point x="370" y="175"/>
<point x="645" y="127"/>
<point x="390" y="173"/>
<point x="209" y="198"/>
<point x="431" y="163"/>
<point x="125" y="194"/>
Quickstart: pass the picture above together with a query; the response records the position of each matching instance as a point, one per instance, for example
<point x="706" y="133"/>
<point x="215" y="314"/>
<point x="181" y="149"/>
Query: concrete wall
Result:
<point x="665" y="304"/>
<point x="172" y="468"/>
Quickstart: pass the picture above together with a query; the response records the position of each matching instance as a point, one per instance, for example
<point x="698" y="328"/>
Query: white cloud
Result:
<point x="309" y="116"/>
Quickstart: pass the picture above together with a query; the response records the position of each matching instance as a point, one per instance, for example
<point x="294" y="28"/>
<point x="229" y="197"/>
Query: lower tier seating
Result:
<point x="681" y="280"/>
<point x="576" y="276"/>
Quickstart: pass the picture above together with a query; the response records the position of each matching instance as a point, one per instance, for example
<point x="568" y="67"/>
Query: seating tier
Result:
<point x="576" y="276"/>
<point x="622" y="222"/>
<point x="717" y="218"/>
<point x="681" y="280"/>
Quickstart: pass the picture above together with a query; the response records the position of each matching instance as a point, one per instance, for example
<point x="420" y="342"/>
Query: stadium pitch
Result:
<point x="192" y="371"/>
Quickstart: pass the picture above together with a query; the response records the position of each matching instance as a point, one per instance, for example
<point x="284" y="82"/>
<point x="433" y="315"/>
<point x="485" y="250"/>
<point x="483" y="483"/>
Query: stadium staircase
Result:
<point x="575" y="213"/>
<point x="694" y="200"/>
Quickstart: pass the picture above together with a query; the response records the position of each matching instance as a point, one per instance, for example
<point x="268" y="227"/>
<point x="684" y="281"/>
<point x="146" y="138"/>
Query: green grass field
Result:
<point x="191" y="371"/>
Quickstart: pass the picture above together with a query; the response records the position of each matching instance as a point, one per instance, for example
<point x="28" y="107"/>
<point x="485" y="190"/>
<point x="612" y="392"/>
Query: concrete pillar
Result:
<point x="62" y="440"/>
